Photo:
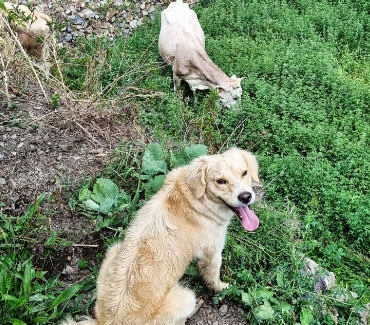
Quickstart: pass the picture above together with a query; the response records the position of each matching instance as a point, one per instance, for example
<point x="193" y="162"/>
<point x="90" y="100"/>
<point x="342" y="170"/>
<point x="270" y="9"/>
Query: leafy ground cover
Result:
<point x="304" y="113"/>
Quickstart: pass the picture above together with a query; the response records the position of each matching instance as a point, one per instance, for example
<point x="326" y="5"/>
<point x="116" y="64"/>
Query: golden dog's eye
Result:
<point x="221" y="181"/>
<point x="245" y="173"/>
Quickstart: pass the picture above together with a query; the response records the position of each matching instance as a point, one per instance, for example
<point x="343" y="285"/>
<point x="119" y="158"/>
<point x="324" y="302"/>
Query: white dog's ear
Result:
<point x="196" y="176"/>
<point x="251" y="161"/>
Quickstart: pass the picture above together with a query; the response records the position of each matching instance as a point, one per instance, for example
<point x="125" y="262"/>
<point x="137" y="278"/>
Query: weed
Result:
<point x="55" y="101"/>
<point x="27" y="295"/>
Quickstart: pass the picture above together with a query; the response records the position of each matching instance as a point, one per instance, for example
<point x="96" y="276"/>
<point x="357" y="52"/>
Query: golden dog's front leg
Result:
<point x="209" y="266"/>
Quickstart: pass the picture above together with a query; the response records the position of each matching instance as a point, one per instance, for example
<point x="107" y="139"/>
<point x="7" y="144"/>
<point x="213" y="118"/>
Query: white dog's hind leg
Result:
<point x="176" y="82"/>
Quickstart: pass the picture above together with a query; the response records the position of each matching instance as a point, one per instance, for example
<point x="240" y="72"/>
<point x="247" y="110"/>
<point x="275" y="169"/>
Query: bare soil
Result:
<point x="43" y="149"/>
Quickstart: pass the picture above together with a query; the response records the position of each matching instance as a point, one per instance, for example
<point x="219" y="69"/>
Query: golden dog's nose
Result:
<point x="245" y="197"/>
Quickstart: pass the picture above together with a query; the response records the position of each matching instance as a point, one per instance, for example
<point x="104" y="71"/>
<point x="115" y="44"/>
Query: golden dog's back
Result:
<point x="137" y="273"/>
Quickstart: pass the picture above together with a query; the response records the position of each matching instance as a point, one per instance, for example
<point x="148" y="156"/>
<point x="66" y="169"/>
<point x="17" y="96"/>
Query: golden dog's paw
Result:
<point x="221" y="286"/>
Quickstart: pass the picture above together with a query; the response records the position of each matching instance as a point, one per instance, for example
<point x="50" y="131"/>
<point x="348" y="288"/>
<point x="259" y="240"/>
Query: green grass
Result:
<point x="304" y="113"/>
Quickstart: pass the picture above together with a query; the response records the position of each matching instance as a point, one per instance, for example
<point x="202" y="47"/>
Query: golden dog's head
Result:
<point x="226" y="179"/>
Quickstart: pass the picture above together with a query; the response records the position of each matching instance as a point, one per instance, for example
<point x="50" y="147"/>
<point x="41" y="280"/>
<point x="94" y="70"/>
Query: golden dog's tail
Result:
<point x="70" y="321"/>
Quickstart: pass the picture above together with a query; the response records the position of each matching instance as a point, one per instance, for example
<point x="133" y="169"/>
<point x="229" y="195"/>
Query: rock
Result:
<point x="324" y="282"/>
<point x="68" y="37"/>
<point x="68" y="270"/>
<point x="133" y="23"/>
<point x="2" y="181"/>
<point x="364" y="315"/>
<point x="77" y="20"/>
<point x="118" y="3"/>
<point x="223" y="310"/>
<point x="87" y="13"/>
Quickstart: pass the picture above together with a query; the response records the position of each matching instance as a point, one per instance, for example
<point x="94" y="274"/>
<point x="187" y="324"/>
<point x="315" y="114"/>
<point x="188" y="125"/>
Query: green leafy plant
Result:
<point x="104" y="198"/>
<point x="155" y="166"/>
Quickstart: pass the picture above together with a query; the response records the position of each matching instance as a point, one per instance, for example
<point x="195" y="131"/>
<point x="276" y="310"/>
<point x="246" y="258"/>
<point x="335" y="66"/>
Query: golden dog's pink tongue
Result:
<point x="250" y="221"/>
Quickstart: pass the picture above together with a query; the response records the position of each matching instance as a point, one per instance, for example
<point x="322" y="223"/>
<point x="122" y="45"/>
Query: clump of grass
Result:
<point x="28" y="295"/>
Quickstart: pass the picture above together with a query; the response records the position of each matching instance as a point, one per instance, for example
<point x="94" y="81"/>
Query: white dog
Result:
<point x="182" y="44"/>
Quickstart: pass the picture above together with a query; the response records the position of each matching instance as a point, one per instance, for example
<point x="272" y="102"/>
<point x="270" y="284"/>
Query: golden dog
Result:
<point x="138" y="283"/>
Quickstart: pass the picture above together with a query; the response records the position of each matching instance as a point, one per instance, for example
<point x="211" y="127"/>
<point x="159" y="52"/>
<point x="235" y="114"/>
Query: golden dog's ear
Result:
<point x="251" y="161"/>
<point x="196" y="176"/>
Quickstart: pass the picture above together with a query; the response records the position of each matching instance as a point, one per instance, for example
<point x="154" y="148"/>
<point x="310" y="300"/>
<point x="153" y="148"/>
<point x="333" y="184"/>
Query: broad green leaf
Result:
<point x="20" y="302"/>
<point x="280" y="279"/>
<point x="188" y="154"/>
<point x="195" y="151"/>
<point x="264" y="294"/>
<point x="306" y="316"/>
<point x="29" y="274"/>
<point x="66" y="295"/>
<point x="157" y="183"/>
<point x="264" y="311"/>
<point x="283" y="306"/>
<point x="90" y="204"/>
<point x="104" y="188"/>
<point x="52" y="238"/>
<point x="38" y="297"/>
<point x="153" y="160"/>
<point x="84" y="194"/>
<point x="153" y="152"/>
<point x="246" y="298"/>
<point x="7" y="297"/>
<point x="106" y="206"/>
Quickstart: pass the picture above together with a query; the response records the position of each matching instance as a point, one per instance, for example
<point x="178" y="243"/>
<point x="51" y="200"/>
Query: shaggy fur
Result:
<point x="181" y="44"/>
<point x="138" y="283"/>
<point x="34" y="33"/>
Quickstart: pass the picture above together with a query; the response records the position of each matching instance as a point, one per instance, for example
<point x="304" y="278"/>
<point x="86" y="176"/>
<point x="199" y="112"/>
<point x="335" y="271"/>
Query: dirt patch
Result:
<point x="224" y="314"/>
<point x="44" y="148"/>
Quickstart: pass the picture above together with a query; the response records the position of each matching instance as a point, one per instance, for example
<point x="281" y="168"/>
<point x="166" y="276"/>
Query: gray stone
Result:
<point x="2" y="181"/>
<point x="68" y="37"/>
<point x="77" y="20"/>
<point x="68" y="270"/>
<point x="87" y="13"/>
<point x="133" y="23"/>
<point x="364" y="315"/>
<point x="324" y="282"/>
<point x="223" y="310"/>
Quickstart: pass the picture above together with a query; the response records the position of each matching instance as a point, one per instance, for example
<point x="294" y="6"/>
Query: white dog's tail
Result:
<point x="70" y="321"/>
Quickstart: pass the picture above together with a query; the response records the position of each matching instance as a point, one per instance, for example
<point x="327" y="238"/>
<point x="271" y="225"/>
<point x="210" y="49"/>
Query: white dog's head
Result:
<point x="226" y="179"/>
<point x="230" y="95"/>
